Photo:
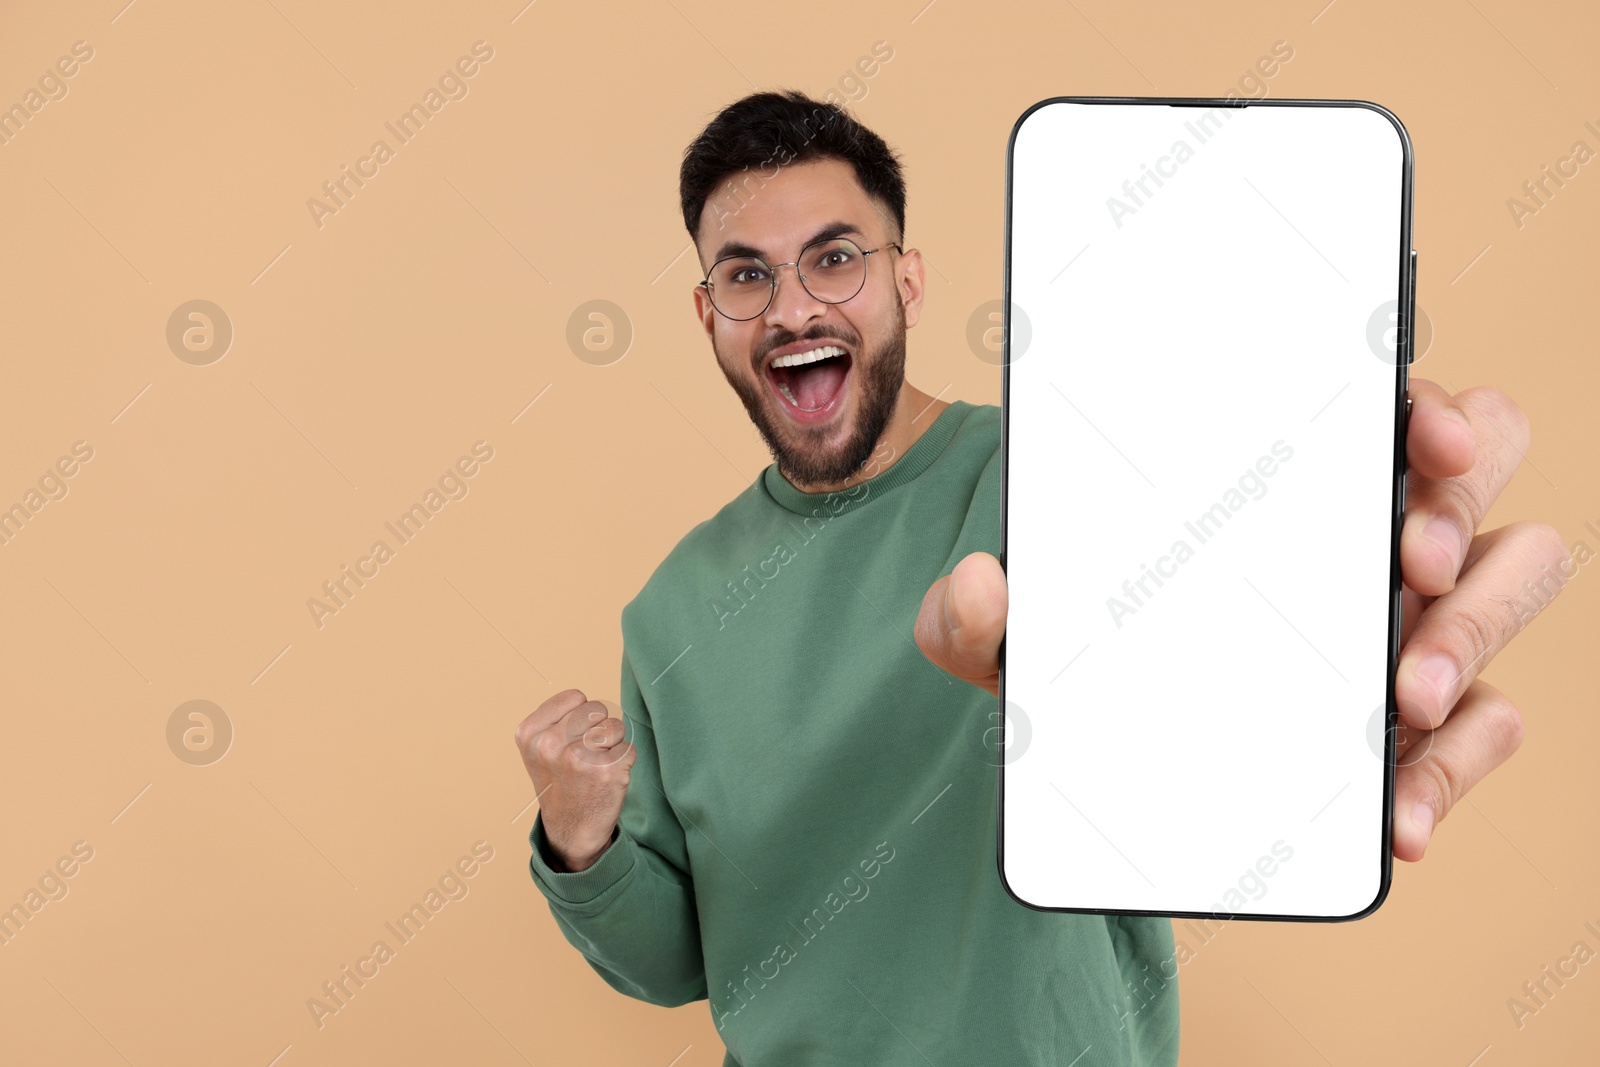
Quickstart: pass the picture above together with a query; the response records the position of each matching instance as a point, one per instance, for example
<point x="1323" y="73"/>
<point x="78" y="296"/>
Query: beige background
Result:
<point x="430" y="312"/>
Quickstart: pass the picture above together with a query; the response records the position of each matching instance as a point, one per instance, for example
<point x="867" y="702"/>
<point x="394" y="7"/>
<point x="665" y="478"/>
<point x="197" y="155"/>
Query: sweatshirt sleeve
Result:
<point x="632" y="914"/>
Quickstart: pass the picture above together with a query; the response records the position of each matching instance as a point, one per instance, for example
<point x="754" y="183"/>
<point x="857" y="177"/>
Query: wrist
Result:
<point x="581" y="858"/>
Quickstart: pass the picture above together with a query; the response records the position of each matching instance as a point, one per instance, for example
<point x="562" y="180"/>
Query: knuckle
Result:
<point x="547" y="747"/>
<point x="556" y="698"/>
<point x="1446" y="783"/>
<point x="1544" y="540"/>
<point x="1481" y="631"/>
<point x="1470" y="498"/>
<point x="1503" y="723"/>
<point x="1546" y="567"/>
<point x="1499" y="406"/>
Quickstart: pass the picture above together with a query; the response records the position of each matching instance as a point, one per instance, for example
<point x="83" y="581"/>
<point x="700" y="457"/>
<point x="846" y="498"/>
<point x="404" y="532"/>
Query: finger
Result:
<point x="536" y="740"/>
<point x="1412" y="604"/>
<point x="962" y="619"/>
<point x="1439" y="437"/>
<point x="582" y="718"/>
<point x="605" y="743"/>
<point x="1515" y="571"/>
<point x="1481" y="734"/>
<point x="602" y="734"/>
<point x="1443" y="512"/>
<point x="547" y="714"/>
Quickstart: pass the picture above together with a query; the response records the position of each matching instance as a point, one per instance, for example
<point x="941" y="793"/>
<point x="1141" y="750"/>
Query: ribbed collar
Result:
<point x="918" y="458"/>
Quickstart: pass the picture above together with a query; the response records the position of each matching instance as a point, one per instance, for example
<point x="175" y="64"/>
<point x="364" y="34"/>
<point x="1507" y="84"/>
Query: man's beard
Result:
<point x="880" y="374"/>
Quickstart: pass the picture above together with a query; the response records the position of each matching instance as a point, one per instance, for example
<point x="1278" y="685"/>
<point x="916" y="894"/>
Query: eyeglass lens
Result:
<point x="833" y="271"/>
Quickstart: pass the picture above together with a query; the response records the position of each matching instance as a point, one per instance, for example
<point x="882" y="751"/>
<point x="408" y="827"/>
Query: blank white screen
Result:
<point x="1201" y="351"/>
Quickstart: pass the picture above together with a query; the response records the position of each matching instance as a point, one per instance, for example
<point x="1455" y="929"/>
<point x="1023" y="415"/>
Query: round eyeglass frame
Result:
<point x="772" y="269"/>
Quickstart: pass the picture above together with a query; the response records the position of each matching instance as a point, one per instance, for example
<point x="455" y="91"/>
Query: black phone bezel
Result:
<point x="1405" y="339"/>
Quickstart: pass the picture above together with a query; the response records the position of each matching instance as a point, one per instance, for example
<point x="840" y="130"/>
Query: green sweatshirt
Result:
<point x="808" y="839"/>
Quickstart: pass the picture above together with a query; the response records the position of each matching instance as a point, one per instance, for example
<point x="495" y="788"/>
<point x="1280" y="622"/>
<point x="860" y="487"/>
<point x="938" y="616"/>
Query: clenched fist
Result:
<point x="578" y="760"/>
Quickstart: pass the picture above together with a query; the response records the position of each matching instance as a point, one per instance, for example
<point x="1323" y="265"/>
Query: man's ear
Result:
<point x="703" y="309"/>
<point x="702" y="298"/>
<point x="909" y="279"/>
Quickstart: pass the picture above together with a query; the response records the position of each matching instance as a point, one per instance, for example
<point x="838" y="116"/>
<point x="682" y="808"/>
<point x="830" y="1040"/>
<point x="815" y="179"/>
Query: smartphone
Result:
<point x="1207" y="329"/>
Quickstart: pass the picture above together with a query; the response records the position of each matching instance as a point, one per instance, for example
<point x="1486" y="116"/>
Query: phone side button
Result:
<point x="1411" y="356"/>
<point x="1406" y="471"/>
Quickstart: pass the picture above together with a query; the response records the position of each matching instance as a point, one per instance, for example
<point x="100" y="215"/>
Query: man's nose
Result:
<point x="792" y="305"/>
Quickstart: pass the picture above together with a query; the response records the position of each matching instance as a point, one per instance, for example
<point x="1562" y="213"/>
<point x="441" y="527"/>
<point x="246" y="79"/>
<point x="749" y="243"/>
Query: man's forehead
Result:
<point x="749" y="216"/>
<point x="775" y="245"/>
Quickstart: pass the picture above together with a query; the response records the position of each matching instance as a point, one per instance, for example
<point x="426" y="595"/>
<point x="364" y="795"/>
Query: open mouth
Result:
<point x="810" y="384"/>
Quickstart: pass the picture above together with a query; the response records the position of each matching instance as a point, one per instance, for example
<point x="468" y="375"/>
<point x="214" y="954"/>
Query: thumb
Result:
<point x="962" y="620"/>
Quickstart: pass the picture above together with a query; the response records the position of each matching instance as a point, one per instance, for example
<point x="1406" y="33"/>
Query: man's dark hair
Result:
<point x="751" y="139"/>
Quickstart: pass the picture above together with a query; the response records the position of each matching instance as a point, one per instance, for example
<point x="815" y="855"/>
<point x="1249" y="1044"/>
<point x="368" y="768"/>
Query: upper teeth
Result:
<point x="795" y="359"/>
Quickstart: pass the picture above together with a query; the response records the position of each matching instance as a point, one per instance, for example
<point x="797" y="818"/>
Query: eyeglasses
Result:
<point x="832" y="270"/>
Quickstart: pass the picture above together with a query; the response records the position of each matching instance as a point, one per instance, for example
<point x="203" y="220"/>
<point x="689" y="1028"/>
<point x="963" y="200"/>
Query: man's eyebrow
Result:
<point x="836" y="228"/>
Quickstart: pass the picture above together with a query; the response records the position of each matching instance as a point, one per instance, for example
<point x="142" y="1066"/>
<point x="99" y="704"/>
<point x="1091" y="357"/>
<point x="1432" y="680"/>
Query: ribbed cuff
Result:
<point x="578" y="887"/>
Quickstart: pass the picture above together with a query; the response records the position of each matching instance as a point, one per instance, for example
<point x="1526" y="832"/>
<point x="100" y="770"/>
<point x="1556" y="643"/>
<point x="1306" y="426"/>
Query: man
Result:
<point x="795" y="820"/>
